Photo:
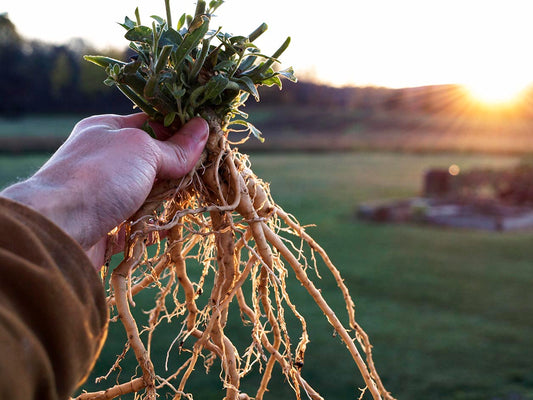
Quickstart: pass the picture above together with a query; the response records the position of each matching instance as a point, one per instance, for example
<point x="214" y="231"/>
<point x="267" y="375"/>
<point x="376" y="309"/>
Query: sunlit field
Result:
<point x="448" y="311"/>
<point x="314" y="128"/>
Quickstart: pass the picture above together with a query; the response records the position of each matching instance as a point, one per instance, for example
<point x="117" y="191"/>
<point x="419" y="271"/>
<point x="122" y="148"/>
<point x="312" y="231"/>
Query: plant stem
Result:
<point x="162" y="58"/>
<point x="169" y="14"/>
<point x="138" y="101"/>
<point x="199" y="63"/>
<point x="275" y="56"/>
<point x="258" y="32"/>
<point x="137" y="16"/>
<point x="200" y="8"/>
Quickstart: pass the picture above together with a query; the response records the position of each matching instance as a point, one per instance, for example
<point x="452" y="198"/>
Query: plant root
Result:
<point x="224" y="219"/>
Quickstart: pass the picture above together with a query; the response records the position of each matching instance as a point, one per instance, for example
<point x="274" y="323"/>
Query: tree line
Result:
<point x="38" y="77"/>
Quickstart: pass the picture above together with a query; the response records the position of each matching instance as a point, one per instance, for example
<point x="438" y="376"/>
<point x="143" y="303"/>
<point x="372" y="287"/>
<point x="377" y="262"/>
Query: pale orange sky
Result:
<point x="379" y="42"/>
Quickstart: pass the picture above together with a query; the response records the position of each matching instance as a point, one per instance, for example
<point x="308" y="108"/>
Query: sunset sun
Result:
<point x="496" y="92"/>
<point x="498" y="81"/>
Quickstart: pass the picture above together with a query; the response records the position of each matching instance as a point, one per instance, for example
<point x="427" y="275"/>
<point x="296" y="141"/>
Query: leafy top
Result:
<point x="178" y="73"/>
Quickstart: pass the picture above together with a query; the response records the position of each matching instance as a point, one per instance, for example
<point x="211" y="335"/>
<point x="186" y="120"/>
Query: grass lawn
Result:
<point x="449" y="312"/>
<point x="13" y="169"/>
<point x="38" y="125"/>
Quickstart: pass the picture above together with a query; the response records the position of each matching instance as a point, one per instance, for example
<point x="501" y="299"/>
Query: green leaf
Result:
<point x="251" y="47"/>
<point x="271" y="81"/>
<point x="256" y="132"/>
<point x="167" y="76"/>
<point x="139" y="101"/>
<point x="109" y="82"/>
<point x="258" y="32"/>
<point x="177" y="92"/>
<point x="224" y="65"/>
<point x="163" y="58"/>
<point x="238" y="39"/>
<point x="134" y="80"/>
<point x="170" y="37"/>
<point x="169" y="118"/>
<point x="148" y="129"/>
<point x="159" y="20"/>
<point x="255" y="72"/>
<point x="200" y="60"/>
<point x="128" y="24"/>
<point x="223" y="37"/>
<point x="150" y="87"/>
<point x="132" y="67"/>
<point x="214" y="4"/>
<point x="135" y="47"/>
<point x="183" y="79"/>
<point x="288" y="74"/>
<point x="142" y="54"/>
<point x="247" y="85"/>
<point x="103" y="61"/>
<point x="116" y="69"/>
<point x="215" y="86"/>
<point x="191" y="40"/>
<point x="181" y="21"/>
<point x="141" y="34"/>
<point x="196" y="93"/>
<point x="248" y="61"/>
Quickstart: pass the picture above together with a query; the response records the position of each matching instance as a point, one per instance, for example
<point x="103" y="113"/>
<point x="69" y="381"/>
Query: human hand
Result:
<point x="104" y="172"/>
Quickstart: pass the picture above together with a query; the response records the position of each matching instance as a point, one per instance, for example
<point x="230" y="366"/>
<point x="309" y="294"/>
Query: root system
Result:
<point x="218" y="231"/>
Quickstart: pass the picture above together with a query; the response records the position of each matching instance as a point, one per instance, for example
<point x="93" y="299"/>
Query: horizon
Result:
<point x="481" y="45"/>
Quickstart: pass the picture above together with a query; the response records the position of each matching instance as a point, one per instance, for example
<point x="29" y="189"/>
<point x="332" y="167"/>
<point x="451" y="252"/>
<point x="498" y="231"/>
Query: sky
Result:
<point x="393" y="43"/>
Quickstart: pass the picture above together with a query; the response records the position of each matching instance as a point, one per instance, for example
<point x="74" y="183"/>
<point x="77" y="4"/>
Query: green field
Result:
<point x="303" y="128"/>
<point x="450" y="312"/>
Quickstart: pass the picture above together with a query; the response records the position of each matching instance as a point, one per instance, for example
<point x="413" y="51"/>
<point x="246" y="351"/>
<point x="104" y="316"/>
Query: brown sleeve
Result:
<point x="52" y="308"/>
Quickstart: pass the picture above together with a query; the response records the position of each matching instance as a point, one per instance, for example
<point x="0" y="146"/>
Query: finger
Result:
<point x="139" y="121"/>
<point x="160" y="131"/>
<point x="180" y="153"/>
<point x="112" y="122"/>
<point x="131" y="121"/>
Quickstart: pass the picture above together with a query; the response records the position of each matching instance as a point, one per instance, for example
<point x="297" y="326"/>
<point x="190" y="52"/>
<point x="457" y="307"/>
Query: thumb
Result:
<point x="181" y="151"/>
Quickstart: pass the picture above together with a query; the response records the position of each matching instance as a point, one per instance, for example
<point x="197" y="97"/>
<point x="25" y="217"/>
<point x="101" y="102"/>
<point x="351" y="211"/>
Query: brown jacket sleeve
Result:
<point x="52" y="308"/>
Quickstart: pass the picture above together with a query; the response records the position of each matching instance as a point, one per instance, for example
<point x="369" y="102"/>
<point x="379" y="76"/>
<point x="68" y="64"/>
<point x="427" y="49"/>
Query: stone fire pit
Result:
<point x="492" y="217"/>
<point x="480" y="199"/>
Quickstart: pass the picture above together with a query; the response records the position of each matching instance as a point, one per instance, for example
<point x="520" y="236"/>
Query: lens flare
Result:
<point x="454" y="170"/>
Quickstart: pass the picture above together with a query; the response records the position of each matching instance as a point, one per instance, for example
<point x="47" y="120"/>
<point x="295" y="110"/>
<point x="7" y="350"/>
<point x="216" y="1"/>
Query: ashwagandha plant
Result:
<point x="221" y="215"/>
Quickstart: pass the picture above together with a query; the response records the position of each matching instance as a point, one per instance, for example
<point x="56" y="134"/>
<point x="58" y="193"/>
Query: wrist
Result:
<point x="55" y="203"/>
